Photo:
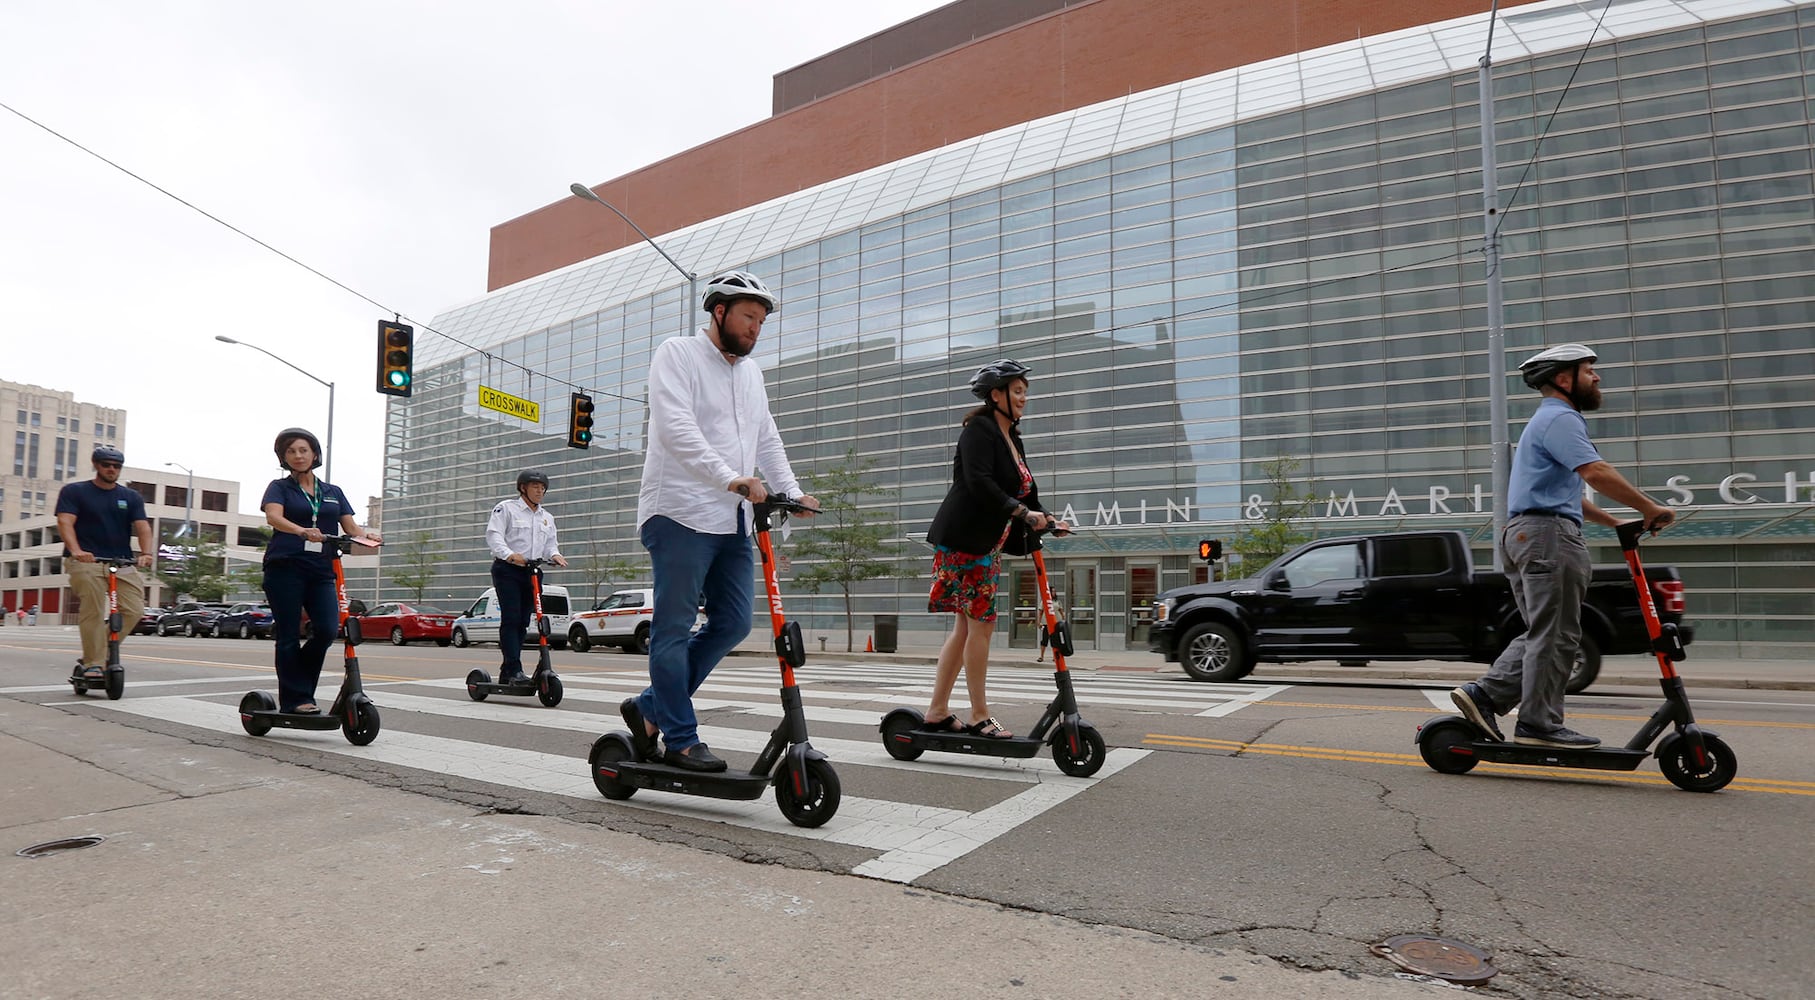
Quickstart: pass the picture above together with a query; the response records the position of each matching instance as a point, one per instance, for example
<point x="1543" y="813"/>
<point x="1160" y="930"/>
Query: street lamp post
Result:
<point x="687" y="307"/>
<point x="329" y="461"/>
<point x="188" y="500"/>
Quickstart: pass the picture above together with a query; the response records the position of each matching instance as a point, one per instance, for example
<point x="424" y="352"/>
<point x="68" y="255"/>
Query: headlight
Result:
<point x="1162" y="611"/>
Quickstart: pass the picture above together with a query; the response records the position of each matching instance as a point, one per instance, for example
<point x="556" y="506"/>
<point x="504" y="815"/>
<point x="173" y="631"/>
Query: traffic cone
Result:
<point x="869" y="644"/>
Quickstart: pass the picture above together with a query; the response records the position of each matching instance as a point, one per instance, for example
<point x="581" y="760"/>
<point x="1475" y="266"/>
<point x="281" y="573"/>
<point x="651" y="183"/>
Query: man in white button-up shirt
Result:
<point x="519" y="532"/>
<point x="709" y="430"/>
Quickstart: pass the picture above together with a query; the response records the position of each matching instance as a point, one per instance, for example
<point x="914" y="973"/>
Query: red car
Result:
<point x="406" y="623"/>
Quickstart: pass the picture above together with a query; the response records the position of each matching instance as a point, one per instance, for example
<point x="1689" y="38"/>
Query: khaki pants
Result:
<point x="89" y="581"/>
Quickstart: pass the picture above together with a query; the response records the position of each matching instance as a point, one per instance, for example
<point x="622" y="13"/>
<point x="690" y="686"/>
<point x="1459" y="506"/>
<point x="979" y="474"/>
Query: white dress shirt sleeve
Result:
<point x="494" y="532"/>
<point x="672" y="422"/>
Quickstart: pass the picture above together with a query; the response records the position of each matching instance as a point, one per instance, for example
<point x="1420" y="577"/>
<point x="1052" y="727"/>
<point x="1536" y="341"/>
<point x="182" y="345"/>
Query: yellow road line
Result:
<point x="1775" y="785"/>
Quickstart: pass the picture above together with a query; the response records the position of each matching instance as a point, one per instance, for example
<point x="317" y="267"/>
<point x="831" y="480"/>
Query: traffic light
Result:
<point x="579" y="422"/>
<point x="1210" y="549"/>
<point x="394" y="362"/>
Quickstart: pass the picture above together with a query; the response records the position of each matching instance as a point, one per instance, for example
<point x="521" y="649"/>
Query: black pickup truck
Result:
<point x="1412" y="596"/>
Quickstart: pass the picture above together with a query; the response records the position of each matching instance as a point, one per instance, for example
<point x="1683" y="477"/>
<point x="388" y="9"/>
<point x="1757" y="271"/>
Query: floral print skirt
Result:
<point x="964" y="583"/>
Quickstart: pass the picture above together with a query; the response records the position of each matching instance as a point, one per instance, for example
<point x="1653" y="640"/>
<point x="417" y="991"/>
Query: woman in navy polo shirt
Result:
<point x="299" y="568"/>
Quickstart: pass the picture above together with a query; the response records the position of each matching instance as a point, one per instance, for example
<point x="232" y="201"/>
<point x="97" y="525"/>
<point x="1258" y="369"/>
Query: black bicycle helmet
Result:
<point x="734" y="285"/>
<point x="289" y="434"/>
<point x="996" y="375"/>
<point x="528" y="476"/>
<point x="1543" y="366"/>
<point x="107" y="453"/>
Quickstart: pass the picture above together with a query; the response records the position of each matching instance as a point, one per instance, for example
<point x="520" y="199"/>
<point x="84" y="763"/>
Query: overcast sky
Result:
<point x="376" y="141"/>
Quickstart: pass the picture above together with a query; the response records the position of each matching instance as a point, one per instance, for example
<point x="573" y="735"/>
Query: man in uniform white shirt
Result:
<point x="520" y="531"/>
<point x="709" y="430"/>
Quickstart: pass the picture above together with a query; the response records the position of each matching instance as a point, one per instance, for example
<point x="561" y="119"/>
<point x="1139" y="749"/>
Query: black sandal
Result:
<point x="989" y="729"/>
<point x="949" y="724"/>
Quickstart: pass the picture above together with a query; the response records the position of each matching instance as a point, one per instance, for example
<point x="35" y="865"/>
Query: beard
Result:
<point x="1586" y="398"/>
<point x="735" y="345"/>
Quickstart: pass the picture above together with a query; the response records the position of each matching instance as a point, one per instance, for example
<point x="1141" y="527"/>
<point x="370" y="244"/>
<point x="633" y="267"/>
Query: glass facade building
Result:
<point x="1278" y="262"/>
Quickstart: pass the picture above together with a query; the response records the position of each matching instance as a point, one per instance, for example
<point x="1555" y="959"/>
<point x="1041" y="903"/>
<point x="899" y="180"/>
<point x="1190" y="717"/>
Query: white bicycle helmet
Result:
<point x="734" y="285"/>
<point x="1545" y="365"/>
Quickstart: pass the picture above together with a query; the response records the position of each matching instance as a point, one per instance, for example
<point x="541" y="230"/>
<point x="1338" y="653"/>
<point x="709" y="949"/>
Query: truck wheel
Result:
<point x="577" y="640"/>
<point x="1587" y="666"/>
<point x="1213" y="652"/>
<point x="639" y="643"/>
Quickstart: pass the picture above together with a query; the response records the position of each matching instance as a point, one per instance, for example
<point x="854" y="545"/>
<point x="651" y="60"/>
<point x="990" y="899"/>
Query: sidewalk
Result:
<point x="1616" y="671"/>
<point x="226" y="874"/>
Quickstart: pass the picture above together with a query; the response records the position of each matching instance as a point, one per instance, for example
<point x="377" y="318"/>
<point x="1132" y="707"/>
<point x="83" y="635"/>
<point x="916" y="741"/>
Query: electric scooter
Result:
<point x="113" y="678"/>
<point x="1693" y="758"/>
<point x="806" y="787"/>
<point x="353" y="713"/>
<point x="1077" y="747"/>
<point x="543" y="683"/>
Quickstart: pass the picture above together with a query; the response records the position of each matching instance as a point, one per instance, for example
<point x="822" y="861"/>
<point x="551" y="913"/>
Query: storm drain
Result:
<point x="54" y="847"/>
<point x="1441" y="958"/>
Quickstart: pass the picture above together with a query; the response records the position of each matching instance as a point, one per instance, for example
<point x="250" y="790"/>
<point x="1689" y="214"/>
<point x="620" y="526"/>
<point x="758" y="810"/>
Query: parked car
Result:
<point x="479" y="623"/>
<point x="1411" y="596"/>
<point x="406" y="623"/>
<point x="245" y="620"/>
<point x="148" y="622"/>
<point x="620" y="620"/>
<point x="191" y="618"/>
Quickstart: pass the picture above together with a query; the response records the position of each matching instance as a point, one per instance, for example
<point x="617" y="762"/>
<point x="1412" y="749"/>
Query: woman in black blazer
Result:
<point x="993" y="505"/>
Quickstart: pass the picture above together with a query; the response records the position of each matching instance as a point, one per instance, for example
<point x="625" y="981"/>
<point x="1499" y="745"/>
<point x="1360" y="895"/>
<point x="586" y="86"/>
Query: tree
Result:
<point x="198" y="569"/>
<point x="416" y="561"/>
<point x="599" y="571"/>
<point x="847" y="544"/>
<point x="1277" y="531"/>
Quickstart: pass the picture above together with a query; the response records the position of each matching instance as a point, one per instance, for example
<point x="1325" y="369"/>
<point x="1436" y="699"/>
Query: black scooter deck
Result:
<point x="318" y="721"/>
<point x="740" y="785"/>
<point x="945" y="741"/>
<point x="1596" y="758"/>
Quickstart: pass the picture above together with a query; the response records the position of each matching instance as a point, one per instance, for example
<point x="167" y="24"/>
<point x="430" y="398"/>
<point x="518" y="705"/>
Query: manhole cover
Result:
<point x="51" y="847"/>
<point x="1439" y="957"/>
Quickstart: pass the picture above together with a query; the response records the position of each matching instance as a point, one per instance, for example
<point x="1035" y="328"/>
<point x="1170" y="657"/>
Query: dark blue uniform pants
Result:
<point x="293" y="586"/>
<point x="515" y="602"/>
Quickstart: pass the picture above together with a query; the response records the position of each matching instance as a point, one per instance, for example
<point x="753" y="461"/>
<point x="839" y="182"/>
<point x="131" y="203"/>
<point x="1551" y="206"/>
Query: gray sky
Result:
<point x="376" y="141"/>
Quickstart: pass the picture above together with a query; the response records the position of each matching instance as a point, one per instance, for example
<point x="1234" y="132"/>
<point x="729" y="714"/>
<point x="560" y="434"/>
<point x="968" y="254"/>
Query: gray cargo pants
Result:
<point x="1548" y="567"/>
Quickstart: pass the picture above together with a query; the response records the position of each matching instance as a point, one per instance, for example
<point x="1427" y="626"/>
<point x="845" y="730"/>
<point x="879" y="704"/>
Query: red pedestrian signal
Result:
<point x="1210" y="549"/>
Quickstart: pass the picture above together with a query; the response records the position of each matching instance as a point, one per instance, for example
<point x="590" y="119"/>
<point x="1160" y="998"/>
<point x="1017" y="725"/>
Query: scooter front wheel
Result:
<point x="607" y="751"/>
<point x="813" y="805"/>
<point x="1086" y="759"/>
<point x="1676" y="758"/>
<point x="116" y="683"/>
<point x="365" y="724"/>
<point x="549" y="692"/>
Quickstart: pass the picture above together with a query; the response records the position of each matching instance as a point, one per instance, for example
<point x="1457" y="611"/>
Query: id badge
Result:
<point x="311" y="546"/>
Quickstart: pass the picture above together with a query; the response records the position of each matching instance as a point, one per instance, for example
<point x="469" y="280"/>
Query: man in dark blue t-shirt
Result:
<point x="97" y="520"/>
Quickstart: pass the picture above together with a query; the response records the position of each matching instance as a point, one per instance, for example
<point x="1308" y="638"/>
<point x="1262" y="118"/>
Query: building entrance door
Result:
<point x="1143" y="592"/>
<point x="1024" y="598"/>
<point x="1080" y="603"/>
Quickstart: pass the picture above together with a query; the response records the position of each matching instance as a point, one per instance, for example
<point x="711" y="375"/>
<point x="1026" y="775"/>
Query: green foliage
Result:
<point x="845" y="544"/>
<point x="415" y="564"/>
<point x="1278" y="530"/>
<point x="600" y="570"/>
<point x="202" y="573"/>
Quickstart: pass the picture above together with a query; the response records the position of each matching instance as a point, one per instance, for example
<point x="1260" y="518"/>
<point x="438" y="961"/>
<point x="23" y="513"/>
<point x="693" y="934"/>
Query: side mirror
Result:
<point x="1278" y="582"/>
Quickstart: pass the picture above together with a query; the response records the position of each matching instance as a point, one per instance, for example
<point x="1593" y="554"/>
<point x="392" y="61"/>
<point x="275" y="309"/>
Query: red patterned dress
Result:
<point x="964" y="582"/>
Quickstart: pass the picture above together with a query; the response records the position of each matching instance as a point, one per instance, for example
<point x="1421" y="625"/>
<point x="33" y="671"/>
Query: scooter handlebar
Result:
<point x="780" y="502"/>
<point x="345" y="543"/>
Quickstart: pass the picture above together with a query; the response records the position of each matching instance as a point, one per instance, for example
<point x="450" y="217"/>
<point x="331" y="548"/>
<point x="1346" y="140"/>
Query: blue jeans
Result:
<point x="291" y="587"/>
<point x="511" y="583"/>
<point x="689" y="567"/>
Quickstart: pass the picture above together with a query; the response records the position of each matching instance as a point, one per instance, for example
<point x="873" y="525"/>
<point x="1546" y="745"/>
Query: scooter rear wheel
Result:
<point x="819" y="802"/>
<point x="116" y="683"/>
<point x="1088" y="759"/>
<point x="1677" y="761"/>
<point x="365" y="725"/>
<point x="255" y="701"/>
<point x="610" y="748"/>
<point x="1436" y="741"/>
<point x="473" y="680"/>
<point x="549" y="693"/>
<point x="892" y="732"/>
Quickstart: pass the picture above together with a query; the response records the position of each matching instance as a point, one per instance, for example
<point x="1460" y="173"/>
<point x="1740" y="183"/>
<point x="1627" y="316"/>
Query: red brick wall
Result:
<point x="1068" y="59"/>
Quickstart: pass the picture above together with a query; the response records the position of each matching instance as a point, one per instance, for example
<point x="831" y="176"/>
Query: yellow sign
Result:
<point x="504" y="402"/>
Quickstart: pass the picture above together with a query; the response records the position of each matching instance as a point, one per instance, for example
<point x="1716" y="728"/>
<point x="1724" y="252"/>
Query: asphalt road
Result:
<point x="1290" y="819"/>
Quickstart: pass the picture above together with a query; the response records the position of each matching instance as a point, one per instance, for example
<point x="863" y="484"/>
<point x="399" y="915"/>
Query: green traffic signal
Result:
<point x="395" y="341"/>
<point x="400" y="379"/>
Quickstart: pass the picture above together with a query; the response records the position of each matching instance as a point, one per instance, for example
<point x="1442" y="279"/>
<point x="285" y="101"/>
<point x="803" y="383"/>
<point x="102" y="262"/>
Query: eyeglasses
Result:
<point x="107" y="465"/>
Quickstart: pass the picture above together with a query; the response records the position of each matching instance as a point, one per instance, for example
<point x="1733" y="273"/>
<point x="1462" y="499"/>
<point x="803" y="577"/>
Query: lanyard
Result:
<point x="314" y="503"/>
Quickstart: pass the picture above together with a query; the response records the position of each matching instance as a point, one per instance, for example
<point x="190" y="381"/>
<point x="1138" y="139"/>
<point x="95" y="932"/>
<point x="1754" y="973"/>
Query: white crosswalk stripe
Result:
<point x="739" y="704"/>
